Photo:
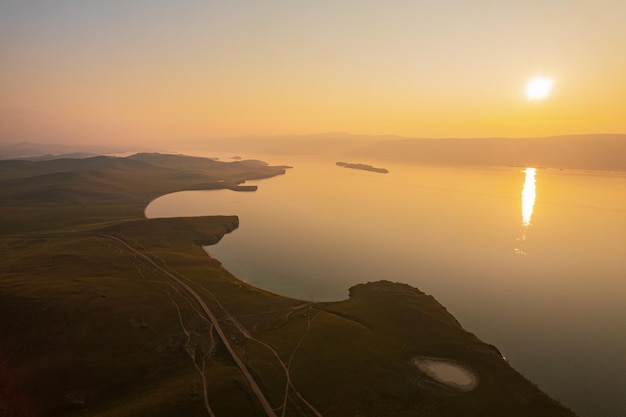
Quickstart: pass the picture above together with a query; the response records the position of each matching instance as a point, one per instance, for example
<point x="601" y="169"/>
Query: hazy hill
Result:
<point x="592" y="151"/>
<point x="140" y="176"/>
<point x="47" y="150"/>
<point x="596" y="151"/>
<point x="603" y="152"/>
<point x="322" y="144"/>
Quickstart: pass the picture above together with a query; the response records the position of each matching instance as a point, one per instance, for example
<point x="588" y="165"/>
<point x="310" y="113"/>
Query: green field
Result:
<point x="106" y="313"/>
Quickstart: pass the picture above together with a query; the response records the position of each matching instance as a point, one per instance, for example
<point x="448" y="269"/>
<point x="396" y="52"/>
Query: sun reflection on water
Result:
<point x="528" y="196"/>
<point x="528" y="204"/>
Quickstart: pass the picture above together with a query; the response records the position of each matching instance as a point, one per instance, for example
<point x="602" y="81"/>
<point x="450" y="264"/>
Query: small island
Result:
<point x="363" y="167"/>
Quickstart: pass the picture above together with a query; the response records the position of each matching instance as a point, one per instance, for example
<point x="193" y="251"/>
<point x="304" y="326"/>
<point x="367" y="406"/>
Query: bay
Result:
<point x="546" y="286"/>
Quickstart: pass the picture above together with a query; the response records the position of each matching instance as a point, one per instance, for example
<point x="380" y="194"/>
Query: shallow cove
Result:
<point x="547" y="293"/>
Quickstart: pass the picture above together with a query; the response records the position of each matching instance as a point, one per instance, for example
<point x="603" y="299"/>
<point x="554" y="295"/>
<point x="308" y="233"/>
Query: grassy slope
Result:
<point x="91" y="328"/>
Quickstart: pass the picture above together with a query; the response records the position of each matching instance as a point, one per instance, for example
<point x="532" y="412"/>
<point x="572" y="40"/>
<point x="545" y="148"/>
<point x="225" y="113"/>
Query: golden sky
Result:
<point x="154" y="71"/>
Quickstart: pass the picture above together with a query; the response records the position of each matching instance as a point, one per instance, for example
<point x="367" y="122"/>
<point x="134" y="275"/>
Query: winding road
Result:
<point x="218" y="328"/>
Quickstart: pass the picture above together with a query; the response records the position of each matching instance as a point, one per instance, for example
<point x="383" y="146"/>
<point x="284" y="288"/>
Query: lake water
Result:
<point x="533" y="261"/>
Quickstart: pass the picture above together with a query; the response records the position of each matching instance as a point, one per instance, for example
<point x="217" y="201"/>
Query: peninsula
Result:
<point x="106" y="313"/>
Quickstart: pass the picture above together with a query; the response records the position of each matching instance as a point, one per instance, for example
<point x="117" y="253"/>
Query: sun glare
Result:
<point x="528" y="196"/>
<point x="528" y="204"/>
<point x="538" y="88"/>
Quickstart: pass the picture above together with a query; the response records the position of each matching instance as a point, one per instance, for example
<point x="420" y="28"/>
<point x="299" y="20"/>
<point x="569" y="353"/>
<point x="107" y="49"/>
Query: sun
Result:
<point x="538" y="88"/>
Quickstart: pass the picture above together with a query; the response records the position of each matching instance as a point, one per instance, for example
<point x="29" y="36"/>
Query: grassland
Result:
<point x="106" y="313"/>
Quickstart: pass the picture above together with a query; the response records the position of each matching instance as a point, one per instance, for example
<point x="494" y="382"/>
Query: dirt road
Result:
<point x="218" y="328"/>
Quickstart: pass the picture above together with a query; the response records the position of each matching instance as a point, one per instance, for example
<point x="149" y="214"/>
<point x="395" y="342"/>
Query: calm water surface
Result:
<point x="533" y="261"/>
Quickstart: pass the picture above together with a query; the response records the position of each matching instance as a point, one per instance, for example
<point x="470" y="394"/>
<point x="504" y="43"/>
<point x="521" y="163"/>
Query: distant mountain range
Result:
<point x="592" y="151"/>
<point x="598" y="152"/>
<point x="43" y="151"/>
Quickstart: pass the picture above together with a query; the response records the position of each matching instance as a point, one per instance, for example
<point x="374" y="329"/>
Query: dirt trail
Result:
<point x="286" y="367"/>
<point x="242" y="367"/>
<point x="192" y="354"/>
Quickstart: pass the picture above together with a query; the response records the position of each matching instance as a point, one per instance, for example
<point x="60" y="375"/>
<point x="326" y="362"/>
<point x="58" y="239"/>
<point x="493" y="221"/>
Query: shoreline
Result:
<point x="122" y="291"/>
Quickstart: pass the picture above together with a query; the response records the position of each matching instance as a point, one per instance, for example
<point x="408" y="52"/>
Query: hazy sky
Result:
<point x="161" y="70"/>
